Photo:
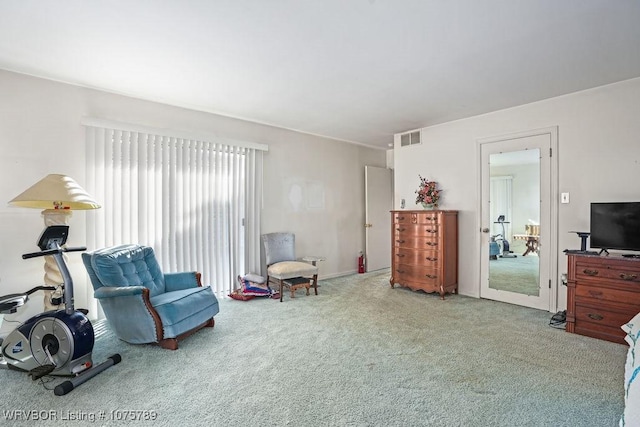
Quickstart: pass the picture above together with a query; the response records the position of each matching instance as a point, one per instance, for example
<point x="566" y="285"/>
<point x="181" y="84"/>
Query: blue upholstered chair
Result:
<point x="280" y="256"/>
<point x="142" y="304"/>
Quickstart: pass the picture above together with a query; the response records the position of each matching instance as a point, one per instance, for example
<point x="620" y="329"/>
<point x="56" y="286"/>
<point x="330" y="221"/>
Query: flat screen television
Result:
<point x="615" y="226"/>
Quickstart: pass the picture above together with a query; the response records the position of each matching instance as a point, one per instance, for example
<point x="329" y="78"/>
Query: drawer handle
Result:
<point x="400" y="229"/>
<point x="431" y="244"/>
<point x="625" y="276"/>
<point x="431" y="259"/>
<point x="400" y="255"/>
<point x="595" y="293"/>
<point x="590" y="272"/>
<point x="400" y="241"/>
<point x="400" y="271"/>
<point x="400" y="218"/>
<point x="431" y="231"/>
<point x="595" y="316"/>
<point x="431" y="276"/>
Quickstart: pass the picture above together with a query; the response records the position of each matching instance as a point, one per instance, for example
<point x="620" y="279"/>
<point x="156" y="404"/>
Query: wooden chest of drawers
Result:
<point x="424" y="250"/>
<point x="603" y="294"/>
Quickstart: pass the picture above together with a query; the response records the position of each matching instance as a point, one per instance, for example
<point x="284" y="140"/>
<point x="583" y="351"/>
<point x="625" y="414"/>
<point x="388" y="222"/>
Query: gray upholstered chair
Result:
<point x="144" y="305"/>
<point x="280" y="256"/>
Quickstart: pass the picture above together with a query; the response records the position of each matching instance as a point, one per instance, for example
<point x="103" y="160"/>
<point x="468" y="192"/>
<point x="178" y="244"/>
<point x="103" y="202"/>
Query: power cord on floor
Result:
<point x="559" y="320"/>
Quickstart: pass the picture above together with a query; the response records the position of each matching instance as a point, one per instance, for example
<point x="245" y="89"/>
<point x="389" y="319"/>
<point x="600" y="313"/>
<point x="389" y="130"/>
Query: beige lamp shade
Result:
<point x="55" y="192"/>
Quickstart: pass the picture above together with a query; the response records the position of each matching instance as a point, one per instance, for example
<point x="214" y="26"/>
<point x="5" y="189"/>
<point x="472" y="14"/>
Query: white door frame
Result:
<point x="553" y="205"/>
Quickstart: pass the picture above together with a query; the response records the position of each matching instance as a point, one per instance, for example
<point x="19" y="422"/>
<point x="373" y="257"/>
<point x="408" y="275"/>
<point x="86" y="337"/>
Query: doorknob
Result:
<point x="368" y="225"/>
<point x="485" y="230"/>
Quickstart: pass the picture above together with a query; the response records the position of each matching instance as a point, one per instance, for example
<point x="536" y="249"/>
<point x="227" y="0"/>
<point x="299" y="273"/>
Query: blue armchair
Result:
<point x="142" y="304"/>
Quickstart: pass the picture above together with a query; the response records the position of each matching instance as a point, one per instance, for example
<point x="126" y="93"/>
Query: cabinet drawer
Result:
<point x="584" y="292"/>
<point x="415" y="217"/>
<point x="602" y="316"/>
<point x="427" y="218"/>
<point x="404" y="218"/>
<point x="416" y="242"/>
<point x="421" y="273"/>
<point x="602" y="332"/>
<point x="626" y="274"/>
<point x="424" y="230"/>
<point x="416" y="257"/>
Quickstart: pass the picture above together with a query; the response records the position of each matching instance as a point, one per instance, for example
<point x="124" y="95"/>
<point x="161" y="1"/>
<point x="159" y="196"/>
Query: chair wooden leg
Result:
<point x="281" y="289"/>
<point x="169" y="343"/>
<point x="315" y="283"/>
<point x="172" y="343"/>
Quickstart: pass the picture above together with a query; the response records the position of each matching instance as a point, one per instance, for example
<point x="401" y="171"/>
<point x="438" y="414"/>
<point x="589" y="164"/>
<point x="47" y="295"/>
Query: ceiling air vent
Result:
<point x="410" y="138"/>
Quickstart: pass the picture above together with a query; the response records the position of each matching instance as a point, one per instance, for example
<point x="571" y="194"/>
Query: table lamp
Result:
<point x="57" y="195"/>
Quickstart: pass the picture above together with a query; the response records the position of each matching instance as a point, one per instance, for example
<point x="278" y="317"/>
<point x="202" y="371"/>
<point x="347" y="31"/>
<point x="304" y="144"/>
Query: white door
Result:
<point x="378" y="204"/>
<point x="518" y="188"/>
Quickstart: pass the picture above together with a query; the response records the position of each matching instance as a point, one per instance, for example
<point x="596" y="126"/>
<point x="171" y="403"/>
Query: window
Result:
<point x="197" y="203"/>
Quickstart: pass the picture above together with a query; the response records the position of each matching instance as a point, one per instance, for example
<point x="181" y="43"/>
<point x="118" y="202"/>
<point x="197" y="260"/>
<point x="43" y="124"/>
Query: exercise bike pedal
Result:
<point x="41" y="371"/>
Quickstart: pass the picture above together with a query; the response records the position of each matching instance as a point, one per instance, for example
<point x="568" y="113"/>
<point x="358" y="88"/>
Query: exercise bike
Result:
<point x="57" y="342"/>
<point x="505" y="250"/>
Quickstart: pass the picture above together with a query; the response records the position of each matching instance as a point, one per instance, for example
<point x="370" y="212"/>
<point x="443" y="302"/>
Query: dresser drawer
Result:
<point x="415" y="217"/>
<point x="427" y="218"/>
<point x="416" y="242"/>
<point x="422" y="230"/>
<point x="603" y="315"/>
<point x="601" y="322"/>
<point x="416" y="257"/>
<point x="625" y="274"/>
<point x="421" y="273"/>
<point x="584" y="292"/>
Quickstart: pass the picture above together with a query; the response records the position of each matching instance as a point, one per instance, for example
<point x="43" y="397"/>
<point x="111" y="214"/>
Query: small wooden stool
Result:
<point x="296" y="283"/>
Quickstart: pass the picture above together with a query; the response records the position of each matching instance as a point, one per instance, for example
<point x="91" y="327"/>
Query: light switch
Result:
<point x="564" y="198"/>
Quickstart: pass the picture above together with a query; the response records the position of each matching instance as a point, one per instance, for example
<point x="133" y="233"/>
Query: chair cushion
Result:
<point x="289" y="269"/>
<point x="174" y="307"/>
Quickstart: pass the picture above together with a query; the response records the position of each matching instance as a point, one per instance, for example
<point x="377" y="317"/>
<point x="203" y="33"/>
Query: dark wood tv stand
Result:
<point x="603" y="294"/>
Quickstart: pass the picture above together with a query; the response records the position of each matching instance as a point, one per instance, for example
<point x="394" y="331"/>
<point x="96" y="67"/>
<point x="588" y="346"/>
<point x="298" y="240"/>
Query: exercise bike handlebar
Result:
<point x="53" y="252"/>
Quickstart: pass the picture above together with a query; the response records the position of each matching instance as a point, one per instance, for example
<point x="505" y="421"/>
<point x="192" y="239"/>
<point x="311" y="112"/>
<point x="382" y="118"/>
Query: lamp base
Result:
<point x="52" y="276"/>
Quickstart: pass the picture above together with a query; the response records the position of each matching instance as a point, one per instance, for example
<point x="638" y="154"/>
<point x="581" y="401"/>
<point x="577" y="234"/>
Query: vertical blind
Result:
<point x="196" y="203"/>
<point x="500" y="195"/>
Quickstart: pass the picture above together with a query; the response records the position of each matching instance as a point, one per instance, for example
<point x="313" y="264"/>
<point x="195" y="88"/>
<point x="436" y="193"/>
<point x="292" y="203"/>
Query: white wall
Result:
<point x="40" y="133"/>
<point x="599" y="160"/>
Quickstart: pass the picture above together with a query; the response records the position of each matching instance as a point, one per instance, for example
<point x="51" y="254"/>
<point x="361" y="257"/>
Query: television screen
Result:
<point x="615" y="226"/>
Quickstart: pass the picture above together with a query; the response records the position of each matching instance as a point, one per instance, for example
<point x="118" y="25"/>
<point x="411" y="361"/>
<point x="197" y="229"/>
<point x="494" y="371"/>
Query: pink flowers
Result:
<point x="428" y="192"/>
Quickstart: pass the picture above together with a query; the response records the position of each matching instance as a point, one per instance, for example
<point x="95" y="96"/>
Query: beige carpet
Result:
<point x="519" y="274"/>
<point x="358" y="354"/>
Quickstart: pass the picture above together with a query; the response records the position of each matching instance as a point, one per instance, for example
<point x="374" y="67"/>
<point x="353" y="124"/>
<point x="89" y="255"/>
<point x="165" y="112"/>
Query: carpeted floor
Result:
<point x="358" y="354"/>
<point x="519" y="274"/>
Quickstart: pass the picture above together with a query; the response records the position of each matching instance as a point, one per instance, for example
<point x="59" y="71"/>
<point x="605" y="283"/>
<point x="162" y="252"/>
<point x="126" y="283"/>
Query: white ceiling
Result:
<point x="354" y="70"/>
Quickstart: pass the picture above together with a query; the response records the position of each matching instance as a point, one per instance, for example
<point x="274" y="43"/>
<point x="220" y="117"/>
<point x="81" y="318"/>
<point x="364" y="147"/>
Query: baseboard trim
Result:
<point x="345" y="273"/>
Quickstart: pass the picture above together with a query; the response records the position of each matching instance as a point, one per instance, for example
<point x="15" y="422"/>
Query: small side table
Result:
<point x="313" y="260"/>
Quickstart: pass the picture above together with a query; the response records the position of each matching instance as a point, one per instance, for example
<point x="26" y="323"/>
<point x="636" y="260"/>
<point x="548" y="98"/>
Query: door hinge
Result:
<point x="549" y="283"/>
<point x="550" y="152"/>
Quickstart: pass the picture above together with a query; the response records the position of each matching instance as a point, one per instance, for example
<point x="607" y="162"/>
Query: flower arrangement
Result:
<point x="428" y="193"/>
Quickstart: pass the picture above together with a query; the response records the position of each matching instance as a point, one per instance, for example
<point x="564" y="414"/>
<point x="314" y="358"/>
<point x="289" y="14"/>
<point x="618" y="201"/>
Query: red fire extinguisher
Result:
<point x="361" y="263"/>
